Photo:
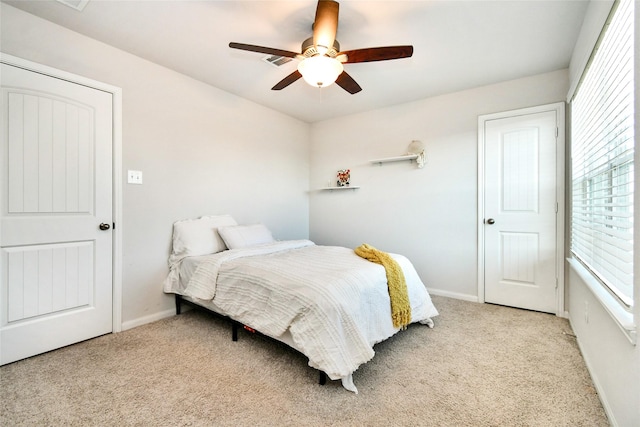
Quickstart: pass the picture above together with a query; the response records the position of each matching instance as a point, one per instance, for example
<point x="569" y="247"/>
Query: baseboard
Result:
<point x="130" y="324"/>
<point x="455" y="295"/>
<point x="596" y="383"/>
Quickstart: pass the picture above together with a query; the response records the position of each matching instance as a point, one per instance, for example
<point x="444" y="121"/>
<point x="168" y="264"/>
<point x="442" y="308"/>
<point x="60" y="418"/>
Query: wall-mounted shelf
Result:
<point x="408" y="157"/>
<point x="349" y="187"/>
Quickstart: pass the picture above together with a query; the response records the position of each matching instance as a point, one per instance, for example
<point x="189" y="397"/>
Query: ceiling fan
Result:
<point x="321" y="61"/>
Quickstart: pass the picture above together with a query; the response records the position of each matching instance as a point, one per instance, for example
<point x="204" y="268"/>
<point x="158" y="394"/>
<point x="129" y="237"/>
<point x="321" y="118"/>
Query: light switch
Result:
<point x="134" y="177"/>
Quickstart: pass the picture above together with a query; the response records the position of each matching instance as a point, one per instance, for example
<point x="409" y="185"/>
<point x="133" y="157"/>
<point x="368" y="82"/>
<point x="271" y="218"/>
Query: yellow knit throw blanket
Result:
<point x="400" y="306"/>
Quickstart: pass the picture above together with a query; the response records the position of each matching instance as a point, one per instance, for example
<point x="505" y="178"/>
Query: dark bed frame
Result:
<point x="235" y="326"/>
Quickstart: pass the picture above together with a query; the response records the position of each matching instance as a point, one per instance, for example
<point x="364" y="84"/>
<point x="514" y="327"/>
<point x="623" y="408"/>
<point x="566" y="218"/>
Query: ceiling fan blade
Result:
<point x="262" y="49"/>
<point x="325" y="26"/>
<point x="377" y="54"/>
<point x="287" y="80"/>
<point x="346" y="82"/>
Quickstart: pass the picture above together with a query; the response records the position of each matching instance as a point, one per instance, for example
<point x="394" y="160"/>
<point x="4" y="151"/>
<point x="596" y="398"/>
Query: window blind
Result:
<point x="602" y="158"/>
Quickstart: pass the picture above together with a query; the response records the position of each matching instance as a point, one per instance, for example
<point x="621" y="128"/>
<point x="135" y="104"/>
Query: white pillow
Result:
<point x="241" y="236"/>
<point x="193" y="237"/>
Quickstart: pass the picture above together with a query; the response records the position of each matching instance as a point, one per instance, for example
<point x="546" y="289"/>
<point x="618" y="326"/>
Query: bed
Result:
<point x="324" y="301"/>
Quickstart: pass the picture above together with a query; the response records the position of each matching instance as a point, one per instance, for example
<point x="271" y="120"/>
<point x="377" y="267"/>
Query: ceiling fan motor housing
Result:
<point x="309" y="49"/>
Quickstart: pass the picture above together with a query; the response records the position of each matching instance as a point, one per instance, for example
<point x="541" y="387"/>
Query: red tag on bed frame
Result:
<point x="253" y="331"/>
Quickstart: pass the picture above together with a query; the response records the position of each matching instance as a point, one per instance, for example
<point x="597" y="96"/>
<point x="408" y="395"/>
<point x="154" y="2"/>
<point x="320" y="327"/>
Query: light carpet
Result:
<point x="482" y="365"/>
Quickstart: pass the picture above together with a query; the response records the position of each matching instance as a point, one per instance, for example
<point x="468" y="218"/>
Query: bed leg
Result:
<point x="234" y="331"/>
<point x="323" y="378"/>
<point x="178" y="304"/>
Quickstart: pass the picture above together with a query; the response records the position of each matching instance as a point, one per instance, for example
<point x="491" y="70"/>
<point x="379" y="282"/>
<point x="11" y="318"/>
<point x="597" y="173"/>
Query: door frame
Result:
<point x="116" y="176"/>
<point x="559" y="109"/>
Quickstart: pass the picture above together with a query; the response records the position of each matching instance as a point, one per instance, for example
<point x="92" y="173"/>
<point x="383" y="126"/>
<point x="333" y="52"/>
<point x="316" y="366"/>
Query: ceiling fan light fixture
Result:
<point x="321" y="58"/>
<point x="320" y="71"/>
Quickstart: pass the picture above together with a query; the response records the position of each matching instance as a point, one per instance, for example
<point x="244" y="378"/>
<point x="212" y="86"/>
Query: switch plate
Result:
<point x="134" y="177"/>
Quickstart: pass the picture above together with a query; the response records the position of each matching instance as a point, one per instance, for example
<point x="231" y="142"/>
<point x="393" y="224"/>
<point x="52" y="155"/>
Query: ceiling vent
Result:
<point x="75" y="4"/>
<point x="276" y="60"/>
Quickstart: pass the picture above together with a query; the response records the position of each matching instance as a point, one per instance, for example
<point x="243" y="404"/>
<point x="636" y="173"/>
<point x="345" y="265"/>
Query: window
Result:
<point x="602" y="123"/>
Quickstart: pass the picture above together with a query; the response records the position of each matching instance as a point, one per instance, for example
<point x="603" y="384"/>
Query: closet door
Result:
<point x="55" y="213"/>
<point x="521" y="224"/>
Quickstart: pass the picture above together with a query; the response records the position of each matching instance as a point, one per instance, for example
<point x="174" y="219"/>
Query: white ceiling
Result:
<point x="457" y="44"/>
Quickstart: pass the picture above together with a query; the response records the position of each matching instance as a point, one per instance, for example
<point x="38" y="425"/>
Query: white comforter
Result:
<point x="334" y="303"/>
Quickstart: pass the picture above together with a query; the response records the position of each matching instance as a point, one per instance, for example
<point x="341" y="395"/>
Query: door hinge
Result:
<point x="556" y="283"/>
<point x="557" y="132"/>
<point x="556" y="207"/>
<point x="114" y="225"/>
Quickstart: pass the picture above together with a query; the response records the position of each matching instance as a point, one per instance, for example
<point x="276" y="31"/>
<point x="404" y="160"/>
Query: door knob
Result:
<point x="491" y="221"/>
<point x="104" y="226"/>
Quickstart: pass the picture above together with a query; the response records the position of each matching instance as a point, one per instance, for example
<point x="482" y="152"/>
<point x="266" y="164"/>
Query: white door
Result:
<point x="56" y="191"/>
<point x="520" y="220"/>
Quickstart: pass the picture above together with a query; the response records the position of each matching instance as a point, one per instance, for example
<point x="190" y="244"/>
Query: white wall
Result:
<point x="429" y="214"/>
<point x="613" y="362"/>
<point x="201" y="150"/>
